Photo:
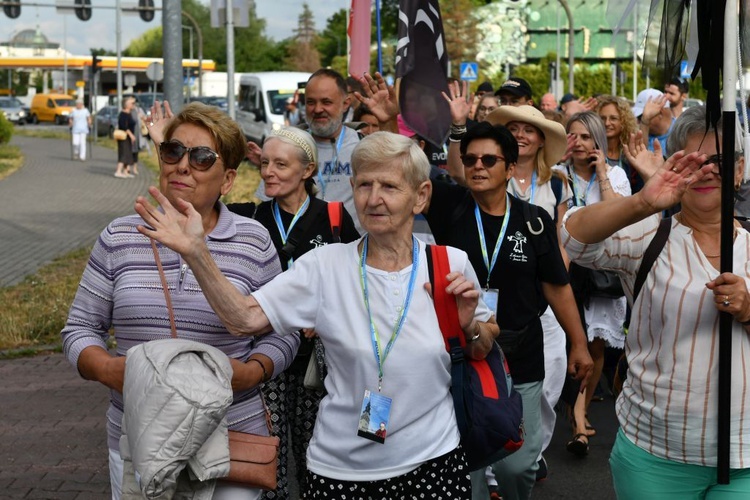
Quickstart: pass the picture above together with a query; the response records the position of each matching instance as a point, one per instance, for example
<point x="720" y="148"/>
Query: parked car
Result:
<point x="143" y="100"/>
<point x="218" y="101"/>
<point x="106" y="121"/>
<point x="51" y="108"/>
<point x="690" y="102"/>
<point x="13" y="110"/>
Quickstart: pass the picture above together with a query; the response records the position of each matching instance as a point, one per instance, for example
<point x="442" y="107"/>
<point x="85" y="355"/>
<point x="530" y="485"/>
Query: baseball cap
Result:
<point x="567" y="98"/>
<point x="642" y="99"/>
<point x="516" y="86"/>
<point x="485" y="87"/>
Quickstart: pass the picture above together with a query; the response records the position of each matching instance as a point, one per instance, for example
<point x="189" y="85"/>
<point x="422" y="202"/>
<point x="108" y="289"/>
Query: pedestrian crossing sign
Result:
<point x="469" y="71"/>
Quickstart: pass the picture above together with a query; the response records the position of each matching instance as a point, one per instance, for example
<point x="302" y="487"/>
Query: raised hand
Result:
<point x="253" y="153"/>
<point x="460" y="102"/>
<point x="653" y="107"/>
<point x="379" y="97"/>
<point x="179" y="228"/>
<point x="665" y="188"/>
<point x="158" y="121"/>
<point x="645" y="162"/>
<point x="571" y="142"/>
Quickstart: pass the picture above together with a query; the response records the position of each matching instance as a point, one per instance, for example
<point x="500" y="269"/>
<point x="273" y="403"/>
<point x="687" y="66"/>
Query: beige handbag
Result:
<point x="252" y="458"/>
<point x="119" y="135"/>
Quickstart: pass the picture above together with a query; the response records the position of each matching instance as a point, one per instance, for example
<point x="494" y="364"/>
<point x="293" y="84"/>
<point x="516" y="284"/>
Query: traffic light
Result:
<point x="95" y="64"/>
<point x="83" y="9"/>
<point x="146" y="10"/>
<point x="12" y="11"/>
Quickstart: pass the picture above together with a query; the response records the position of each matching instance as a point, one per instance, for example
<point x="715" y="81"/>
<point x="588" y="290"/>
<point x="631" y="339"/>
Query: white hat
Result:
<point x="642" y="99"/>
<point x="555" y="139"/>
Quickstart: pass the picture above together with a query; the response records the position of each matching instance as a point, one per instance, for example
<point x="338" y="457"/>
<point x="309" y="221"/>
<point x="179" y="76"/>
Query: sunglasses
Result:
<point x="200" y="157"/>
<point x="487" y="160"/>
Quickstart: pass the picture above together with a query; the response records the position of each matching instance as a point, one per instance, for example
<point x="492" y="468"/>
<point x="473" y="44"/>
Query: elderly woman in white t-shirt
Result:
<point x="368" y="302"/>
<point x="666" y="446"/>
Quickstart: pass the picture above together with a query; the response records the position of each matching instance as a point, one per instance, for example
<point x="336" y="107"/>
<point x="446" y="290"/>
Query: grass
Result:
<point x="11" y="160"/>
<point x="41" y="303"/>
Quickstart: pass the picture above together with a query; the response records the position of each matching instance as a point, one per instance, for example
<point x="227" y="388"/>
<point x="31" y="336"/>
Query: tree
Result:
<point x="303" y="54"/>
<point x="332" y="40"/>
<point x="460" y="30"/>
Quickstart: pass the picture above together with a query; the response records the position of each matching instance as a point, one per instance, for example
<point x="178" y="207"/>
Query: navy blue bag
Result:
<point x="489" y="411"/>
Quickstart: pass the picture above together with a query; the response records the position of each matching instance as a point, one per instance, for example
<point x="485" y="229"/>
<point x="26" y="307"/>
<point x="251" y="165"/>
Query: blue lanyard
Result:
<point x="483" y="243"/>
<point x="280" y="224"/>
<point x="334" y="164"/>
<point x="380" y="354"/>
<point x="586" y="193"/>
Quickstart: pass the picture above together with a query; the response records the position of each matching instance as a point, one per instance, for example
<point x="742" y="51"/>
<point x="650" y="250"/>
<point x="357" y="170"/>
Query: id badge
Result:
<point x="490" y="297"/>
<point x="374" y="416"/>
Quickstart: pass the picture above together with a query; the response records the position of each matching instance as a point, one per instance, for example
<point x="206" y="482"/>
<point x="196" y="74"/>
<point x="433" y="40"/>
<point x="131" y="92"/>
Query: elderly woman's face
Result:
<point x="281" y="169"/>
<point x="529" y="138"/>
<point x="706" y="194"/>
<point x="386" y="203"/>
<point x="184" y="182"/>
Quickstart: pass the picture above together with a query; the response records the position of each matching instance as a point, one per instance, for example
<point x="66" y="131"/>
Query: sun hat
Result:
<point x="642" y="99"/>
<point x="555" y="139"/>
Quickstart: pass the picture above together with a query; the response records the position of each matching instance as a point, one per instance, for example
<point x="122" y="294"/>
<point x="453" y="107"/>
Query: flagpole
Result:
<point x="380" y="37"/>
<point x="729" y="112"/>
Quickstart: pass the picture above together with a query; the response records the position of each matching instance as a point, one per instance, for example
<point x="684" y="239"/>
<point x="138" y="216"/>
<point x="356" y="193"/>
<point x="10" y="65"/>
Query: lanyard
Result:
<point x="280" y="224"/>
<point x="533" y="188"/>
<point x="334" y="164"/>
<point x="483" y="243"/>
<point x="380" y="354"/>
<point x="586" y="193"/>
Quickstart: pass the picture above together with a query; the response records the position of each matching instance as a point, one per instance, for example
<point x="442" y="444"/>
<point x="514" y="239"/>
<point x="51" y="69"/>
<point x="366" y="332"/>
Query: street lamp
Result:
<point x="571" y="44"/>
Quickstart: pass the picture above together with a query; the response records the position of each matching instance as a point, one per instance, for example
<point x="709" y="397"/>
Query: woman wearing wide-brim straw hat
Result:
<point x="541" y="144"/>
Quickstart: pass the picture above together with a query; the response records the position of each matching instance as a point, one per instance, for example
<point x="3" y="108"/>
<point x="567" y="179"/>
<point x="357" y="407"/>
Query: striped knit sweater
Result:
<point x="121" y="290"/>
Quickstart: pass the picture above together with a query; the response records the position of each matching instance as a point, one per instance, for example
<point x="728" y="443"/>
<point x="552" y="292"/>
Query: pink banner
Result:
<point x="359" y="37"/>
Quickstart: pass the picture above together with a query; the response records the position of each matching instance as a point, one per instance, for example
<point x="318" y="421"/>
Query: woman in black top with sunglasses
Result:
<point x="513" y="247"/>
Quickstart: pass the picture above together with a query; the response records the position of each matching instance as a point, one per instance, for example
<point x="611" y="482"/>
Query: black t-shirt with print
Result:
<point x="525" y="260"/>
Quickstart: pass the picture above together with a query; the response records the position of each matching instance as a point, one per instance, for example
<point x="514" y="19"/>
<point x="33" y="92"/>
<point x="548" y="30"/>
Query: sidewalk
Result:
<point x="54" y="205"/>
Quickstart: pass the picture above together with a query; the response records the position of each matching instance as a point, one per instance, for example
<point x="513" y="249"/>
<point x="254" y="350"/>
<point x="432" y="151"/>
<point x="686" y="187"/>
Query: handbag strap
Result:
<point x="173" y="327"/>
<point x="438" y="267"/>
<point x="164" y="287"/>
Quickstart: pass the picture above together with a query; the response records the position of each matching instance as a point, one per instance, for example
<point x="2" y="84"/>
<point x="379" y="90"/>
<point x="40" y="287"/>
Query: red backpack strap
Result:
<point x="445" y="304"/>
<point x="334" y="217"/>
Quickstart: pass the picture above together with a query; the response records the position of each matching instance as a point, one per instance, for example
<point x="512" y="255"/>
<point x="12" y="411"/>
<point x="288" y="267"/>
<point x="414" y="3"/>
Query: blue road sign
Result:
<point x="469" y="71"/>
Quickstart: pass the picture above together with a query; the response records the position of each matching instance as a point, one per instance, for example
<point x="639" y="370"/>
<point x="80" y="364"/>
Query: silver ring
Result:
<point x="726" y="303"/>
<point x="151" y="124"/>
<point x="674" y="169"/>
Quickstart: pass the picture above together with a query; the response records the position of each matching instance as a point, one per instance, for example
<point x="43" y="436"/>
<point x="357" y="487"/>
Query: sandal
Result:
<point x="578" y="446"/>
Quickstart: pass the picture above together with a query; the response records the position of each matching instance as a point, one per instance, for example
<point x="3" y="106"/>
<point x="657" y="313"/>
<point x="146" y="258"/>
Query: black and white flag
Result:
<point x="422" y="65"/>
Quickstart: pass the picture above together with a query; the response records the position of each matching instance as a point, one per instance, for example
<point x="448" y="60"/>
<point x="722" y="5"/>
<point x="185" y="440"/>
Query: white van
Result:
<point x="262" y="101"/>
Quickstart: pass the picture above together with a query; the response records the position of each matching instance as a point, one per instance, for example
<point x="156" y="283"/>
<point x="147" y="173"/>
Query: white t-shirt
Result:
<point x="544" y="195"/>
<point x="323" y="290"/>
<point x="80" y="119"/>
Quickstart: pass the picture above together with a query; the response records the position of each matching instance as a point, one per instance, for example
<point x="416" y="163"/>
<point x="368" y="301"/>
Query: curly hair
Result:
<point x="629" y="125"/>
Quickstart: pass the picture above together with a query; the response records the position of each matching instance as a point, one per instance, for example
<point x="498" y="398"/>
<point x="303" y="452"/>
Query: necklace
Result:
<point x="522" y="181"/>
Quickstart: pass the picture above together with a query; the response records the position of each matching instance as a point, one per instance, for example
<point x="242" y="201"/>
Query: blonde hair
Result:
<point x="627" y="119"/>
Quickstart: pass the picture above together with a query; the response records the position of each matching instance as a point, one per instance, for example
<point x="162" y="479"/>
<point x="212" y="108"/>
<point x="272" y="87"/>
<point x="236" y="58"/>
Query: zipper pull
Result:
<point x="183" y="271"/>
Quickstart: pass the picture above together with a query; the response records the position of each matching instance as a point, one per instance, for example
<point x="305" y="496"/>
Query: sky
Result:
<point x="99" y="32"/>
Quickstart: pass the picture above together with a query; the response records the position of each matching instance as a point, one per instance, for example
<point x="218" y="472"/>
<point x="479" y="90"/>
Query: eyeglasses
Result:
<point x="716" y="160"/>
<point x="200" y="158"/>
<point x="487" y="160"/>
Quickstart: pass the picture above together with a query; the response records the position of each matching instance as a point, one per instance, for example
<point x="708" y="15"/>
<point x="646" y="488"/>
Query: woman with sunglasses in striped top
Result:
<point x="120" y="288"/>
